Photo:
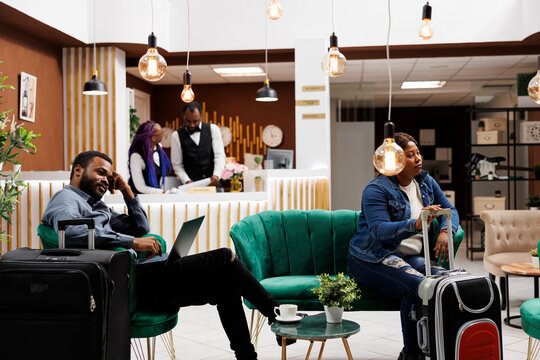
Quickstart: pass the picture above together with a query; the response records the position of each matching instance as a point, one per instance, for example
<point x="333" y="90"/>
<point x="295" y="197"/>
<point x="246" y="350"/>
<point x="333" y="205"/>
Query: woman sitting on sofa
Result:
<point x="386" y="251"/>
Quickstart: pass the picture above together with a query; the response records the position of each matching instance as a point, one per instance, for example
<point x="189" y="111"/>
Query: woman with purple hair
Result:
<point x="148" y="164"/>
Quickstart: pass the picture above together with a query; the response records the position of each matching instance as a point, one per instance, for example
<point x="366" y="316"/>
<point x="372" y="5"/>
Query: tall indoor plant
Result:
<point x="13" y="139"/>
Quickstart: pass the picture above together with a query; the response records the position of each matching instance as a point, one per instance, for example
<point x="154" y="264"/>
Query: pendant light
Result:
<point x="389" y="158"/>
<point x="152" y="66"/>
<point x="187" y="95"/>
<point x="333" y="62"/>
<point x="95" y="86"/>
<point x="426" y="31"/>
<point x="533" y="88"/>
<point x="273" y="11"/>
<point x="266" y="93"/>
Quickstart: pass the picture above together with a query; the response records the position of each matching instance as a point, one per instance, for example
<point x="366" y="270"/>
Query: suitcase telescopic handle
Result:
<point x="424" y="215"/>
<point x="63" y="224"/>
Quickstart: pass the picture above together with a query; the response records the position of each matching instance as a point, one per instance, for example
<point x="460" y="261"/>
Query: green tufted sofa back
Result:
<point x="295" y="242"/>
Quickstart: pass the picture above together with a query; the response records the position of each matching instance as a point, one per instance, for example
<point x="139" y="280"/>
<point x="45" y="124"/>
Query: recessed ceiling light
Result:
<point x="240" y="71"/>
<point x="422" y="84"/>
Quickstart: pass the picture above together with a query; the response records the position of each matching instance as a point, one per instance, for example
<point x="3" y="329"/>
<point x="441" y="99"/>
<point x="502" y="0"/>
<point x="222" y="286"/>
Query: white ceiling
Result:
<point x="367" y="80"/>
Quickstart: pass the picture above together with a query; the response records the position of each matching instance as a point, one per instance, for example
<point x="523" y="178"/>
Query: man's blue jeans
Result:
<point x="397" y="277"/>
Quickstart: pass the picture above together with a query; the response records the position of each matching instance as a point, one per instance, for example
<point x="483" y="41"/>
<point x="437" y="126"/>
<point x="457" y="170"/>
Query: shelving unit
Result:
<point x="513" y="167"/>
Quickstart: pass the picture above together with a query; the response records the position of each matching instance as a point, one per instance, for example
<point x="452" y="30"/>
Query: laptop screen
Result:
<point x="185" y="238"/>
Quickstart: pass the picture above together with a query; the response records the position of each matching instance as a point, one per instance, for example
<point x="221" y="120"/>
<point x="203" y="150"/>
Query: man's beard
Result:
<point x="89" y="187"/>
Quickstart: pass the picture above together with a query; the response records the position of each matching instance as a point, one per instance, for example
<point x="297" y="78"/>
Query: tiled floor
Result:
<point x="199" y="334"/>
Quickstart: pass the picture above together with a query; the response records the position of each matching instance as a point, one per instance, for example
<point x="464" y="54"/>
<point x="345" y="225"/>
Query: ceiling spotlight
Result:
<point x="274" y="10"/>
<point x="426" y="31"/>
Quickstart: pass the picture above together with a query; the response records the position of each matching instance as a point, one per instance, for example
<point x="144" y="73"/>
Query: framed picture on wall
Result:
<point x="27" y="96"/>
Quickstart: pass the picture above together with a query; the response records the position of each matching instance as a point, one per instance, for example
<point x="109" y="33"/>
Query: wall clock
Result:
<point x="226" y="135"/>
<point x="272" y="135"/>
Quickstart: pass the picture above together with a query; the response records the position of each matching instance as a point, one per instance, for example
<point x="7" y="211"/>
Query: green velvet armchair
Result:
<point x="143" y="324"/>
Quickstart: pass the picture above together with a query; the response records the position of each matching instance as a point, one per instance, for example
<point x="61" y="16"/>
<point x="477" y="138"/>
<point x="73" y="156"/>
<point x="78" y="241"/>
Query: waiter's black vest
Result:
<point x="198" y="160"/>
<point x="145" y="173"/>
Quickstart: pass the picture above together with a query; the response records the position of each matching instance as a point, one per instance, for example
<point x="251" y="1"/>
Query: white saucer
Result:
<point x="291" y="320"/>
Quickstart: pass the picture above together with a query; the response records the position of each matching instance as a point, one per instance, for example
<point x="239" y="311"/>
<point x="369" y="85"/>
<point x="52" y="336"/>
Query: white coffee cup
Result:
<point x="286" y="311"/>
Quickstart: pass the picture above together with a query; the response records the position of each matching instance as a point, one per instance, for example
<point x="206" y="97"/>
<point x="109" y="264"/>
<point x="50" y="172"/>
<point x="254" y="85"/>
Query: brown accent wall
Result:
<point x="21" y="52"/>
<point x="232" y="100"/>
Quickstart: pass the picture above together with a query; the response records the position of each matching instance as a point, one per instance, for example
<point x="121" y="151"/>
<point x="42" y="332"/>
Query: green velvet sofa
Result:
<point x="285" y="250"/>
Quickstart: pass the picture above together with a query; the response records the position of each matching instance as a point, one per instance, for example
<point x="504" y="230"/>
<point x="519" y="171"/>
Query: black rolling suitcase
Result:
<point x="458" y="314"/>
<point x="65" y="303"/>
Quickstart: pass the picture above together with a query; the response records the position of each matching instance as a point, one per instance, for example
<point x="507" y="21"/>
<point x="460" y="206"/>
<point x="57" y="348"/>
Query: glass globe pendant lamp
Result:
<point x="534" y="86"/>
<point x="333" y="62"/>
<point x="187" y="95"/>
<point x="274" y="10"/>
<point x="426" y="31"/>
<point x="152" y="66"/>
<point x="389" y="158"/>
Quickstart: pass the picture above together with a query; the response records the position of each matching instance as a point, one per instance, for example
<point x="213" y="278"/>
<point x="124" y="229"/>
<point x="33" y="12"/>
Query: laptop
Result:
<point x="182" y="244"/>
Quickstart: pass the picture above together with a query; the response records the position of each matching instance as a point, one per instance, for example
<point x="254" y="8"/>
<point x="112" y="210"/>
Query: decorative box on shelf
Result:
<point x="481" y="203"/>
<point x="489" y="137"/>
<point x="494" y="124"/>
<point x="530" y="132"/>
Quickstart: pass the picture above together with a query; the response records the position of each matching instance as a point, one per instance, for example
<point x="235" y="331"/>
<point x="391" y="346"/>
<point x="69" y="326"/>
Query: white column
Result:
<point x="121" y="113"/>
<point x="312" y="135"/>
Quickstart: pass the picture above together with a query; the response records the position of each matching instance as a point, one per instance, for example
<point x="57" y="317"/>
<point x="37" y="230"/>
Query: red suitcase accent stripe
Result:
<point x="478" y="340"/>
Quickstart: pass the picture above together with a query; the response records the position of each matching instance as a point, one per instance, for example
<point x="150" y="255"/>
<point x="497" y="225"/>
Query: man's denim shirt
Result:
<point x="385" y="219"/>
<point x="112" y="229"/>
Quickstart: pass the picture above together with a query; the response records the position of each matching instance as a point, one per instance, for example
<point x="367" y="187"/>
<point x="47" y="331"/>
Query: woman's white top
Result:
<point x="137" y="165"/>
<point x="412" y="245"/>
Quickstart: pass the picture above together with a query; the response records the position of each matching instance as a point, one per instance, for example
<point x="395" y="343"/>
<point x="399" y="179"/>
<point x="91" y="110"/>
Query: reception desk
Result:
<point x="283" y="189"/>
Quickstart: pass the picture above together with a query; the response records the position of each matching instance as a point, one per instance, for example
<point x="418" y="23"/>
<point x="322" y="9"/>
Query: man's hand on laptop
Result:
<point x="150" y="244"/>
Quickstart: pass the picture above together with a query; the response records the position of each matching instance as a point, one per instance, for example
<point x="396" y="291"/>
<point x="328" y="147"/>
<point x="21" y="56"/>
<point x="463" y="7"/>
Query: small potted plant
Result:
<point x="536" y="169"/>
<point x="258" y="181"/>
<point x="532" y="202"/>
<point x="534" y="257"/>
<point x="477" y="174"/>
<point x="336" y="293"/>
<point x="481" y="125"/>
<point x="490" y="175"/>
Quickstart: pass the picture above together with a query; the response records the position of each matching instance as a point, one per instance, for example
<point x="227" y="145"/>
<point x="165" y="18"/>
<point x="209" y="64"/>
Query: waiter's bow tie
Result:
<point x="193" y="131"/>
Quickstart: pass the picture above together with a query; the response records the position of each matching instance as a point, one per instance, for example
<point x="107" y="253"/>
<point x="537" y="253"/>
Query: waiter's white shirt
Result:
<point x="137" y="165"/>
<point x="217" y="146"/>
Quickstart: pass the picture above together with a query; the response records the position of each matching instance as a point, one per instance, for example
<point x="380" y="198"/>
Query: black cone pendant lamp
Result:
<point x="94" y="86"/>
<point x="266" y="93"/>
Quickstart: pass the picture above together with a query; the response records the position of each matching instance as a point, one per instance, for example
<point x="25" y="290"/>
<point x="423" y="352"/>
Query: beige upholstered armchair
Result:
<point x="510" y="234"/>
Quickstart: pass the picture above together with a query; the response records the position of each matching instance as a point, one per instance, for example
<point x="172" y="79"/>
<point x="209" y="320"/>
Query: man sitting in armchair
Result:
<point x="216" y="277"/>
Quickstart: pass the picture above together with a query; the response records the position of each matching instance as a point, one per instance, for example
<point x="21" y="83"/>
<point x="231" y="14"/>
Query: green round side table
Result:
<point x="315" y="328"/>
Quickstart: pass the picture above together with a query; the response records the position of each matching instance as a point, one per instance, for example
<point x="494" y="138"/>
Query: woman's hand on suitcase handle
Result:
<point x="441" y="247"/>
<point x="150" y="244"/>
<point x="418" y="223"/>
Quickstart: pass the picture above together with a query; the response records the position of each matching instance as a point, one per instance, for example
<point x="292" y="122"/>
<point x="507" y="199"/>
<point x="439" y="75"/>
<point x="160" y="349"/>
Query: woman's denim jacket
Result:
<point x="385" y="219"/>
